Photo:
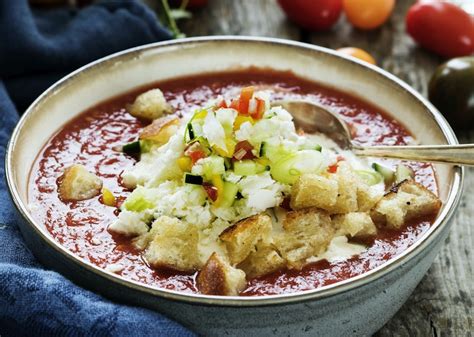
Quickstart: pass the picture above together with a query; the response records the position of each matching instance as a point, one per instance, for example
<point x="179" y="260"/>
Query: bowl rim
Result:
<point x="236" y="301"/>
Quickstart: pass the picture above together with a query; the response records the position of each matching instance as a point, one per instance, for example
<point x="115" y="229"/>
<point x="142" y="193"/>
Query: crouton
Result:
<point x="307" y="233"/>
<point x="263" y="261"/>
<point x="150" y="105"/>
<point x="241" y="238"/>
<point x="368" y="197"/>
<point x="347" y="183"/>
<point x="407" y="201"/>
<point x="77" y="183"/>
<point x="218" y="277"/>
<point x="174" y="245"/>
<point x="355" y="224"/>
<point x="161" y="129"/>
<point x="312" y="190"/>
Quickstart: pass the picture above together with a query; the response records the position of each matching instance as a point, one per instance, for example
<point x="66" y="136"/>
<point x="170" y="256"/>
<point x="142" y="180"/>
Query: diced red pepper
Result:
<point x="211" y="191"/>
<point x="258" y="114"/>
<point x="234" y="104"/>
<point x="221" y="104"/>
<point x="332" y="168"/>
<point x="245" y="96"/>
<point x="196" y="155"/>
<point x="243" y="150"/>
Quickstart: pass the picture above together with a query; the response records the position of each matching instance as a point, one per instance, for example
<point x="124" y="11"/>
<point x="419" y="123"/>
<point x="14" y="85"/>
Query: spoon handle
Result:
<point x="453" y="154"/>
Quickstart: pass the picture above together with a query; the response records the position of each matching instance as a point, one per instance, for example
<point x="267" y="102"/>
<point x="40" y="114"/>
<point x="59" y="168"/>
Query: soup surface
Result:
<point x="90" y="138"/>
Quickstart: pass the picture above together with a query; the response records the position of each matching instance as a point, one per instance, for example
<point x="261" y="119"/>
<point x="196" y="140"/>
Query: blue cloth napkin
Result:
<point x="36" y="49"/>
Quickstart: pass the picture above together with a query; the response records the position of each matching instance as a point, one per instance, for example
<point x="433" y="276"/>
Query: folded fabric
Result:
<point x="36" y="49"/>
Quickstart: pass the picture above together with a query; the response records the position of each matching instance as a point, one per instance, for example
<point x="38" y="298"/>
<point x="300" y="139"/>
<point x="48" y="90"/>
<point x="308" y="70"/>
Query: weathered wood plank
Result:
<point x="442" y="303"/>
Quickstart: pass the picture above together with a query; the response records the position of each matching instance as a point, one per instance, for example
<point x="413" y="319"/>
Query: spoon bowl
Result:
<point x="315" y="118"/>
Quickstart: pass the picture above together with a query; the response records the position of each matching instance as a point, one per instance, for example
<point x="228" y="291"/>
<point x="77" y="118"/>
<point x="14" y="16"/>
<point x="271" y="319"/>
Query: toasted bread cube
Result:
<point x="241" y="238"/>
<point x="312" y="190"/>
<point x="79" y="184"/>
<point x="150" y="105"/>
<point x="263" y="261"/>
<point x="407" y="201"/>
<point x="307" y="233"/>
<point x="368" y="197"/>
<point x="174" y="245"/>
<point x="161" y="129"/>
<point x="218" y="277"/>
<point x="347" y="183"/>
<point x="355" y="224"/>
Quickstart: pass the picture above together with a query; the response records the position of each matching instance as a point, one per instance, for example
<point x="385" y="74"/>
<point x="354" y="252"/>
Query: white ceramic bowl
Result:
<point x="358" y="306"/>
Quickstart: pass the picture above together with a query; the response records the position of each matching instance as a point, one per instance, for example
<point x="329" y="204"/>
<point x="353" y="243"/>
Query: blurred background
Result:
<point x="427" y="43"/>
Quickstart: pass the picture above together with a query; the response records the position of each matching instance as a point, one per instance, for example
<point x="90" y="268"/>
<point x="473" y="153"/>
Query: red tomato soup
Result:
<point x="89" y="139"/>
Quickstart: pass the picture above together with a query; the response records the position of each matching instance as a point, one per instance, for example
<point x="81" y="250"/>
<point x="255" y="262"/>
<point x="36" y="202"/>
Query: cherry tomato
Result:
<point x="451" y="90"/>
<point x="368" y="14"/>
<point x="441" y="27"/>
<point x="358" y="53"/>
<point x="312" y="14"/>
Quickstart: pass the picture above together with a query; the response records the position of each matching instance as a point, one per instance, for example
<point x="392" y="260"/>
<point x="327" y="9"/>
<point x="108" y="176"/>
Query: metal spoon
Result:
<point x="311" y="118"/>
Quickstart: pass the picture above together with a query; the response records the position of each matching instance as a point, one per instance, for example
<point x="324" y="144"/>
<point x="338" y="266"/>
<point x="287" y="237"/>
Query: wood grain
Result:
<point x="441" y="305"/>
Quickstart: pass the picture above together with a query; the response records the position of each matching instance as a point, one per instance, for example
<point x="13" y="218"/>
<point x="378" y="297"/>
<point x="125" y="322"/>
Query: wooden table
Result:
<point x="441" y="305"/>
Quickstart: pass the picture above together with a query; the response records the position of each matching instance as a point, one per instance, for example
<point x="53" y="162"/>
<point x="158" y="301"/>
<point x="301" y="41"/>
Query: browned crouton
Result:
<point x="174" y="245"/>
<point x="217" y="277"/>
<point x="347" y="183"/>
<point x="241" y="239"/>
<point x="78" y="184"/>
<point x="407" y="201"/>
<point x="355" y="224"/>
<point x="307" y="233"/>
<point x="161" y="129"/>
<point x="263" y="261"/>
<point x="150" y="105"/>
<point x="312" y="190"/>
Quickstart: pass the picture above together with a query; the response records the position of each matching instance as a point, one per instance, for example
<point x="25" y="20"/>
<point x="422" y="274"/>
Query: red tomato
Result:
<point x="312" y="14"/>
<point x="441" y="27"/>
<point x="243" y="150"/>
<point x="358" y="53"/>
<point x="196" y="155"/>
<point x="245" y="96"/>
<point x="211" y="191"/>
<point x="368" y="14"/>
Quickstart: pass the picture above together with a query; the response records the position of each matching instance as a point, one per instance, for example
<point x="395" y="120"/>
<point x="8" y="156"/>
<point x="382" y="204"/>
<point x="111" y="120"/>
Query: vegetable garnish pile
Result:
<point x="235" y="189"/>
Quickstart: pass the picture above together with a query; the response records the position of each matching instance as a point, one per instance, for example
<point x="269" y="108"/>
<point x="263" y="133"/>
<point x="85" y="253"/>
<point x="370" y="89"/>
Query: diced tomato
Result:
<point x="221" y="104"/>
<point x="340" y="158"/>
<point x="211" y="191"/>
<point x="234" y="104"/>
<point x="243" y="150"/>
<point x="196" y="155"/>
<point x="258" y="114"/>
<point x="245" y="96"/>
<point x="332" y="168"/>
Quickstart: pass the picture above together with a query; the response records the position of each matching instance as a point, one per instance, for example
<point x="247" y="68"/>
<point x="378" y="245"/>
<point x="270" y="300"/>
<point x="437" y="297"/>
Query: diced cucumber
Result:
<point x="288" y="169"/>
<point x="138" y="201"/>
<point x="402" y="173"/>
<point x="318" y="147"/>
<point x="230" y="194"/>
<point x="132" y="149"/>
<point x="193" y="179"/>
<point x="370" y="177"/>
<point x="387" y="174"/>
<point x="247" y="167"/>
<point x="213" y="165"/>
<point x="274" y="152"/>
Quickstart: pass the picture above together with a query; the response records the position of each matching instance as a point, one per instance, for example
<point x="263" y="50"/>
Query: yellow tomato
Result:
<point x="368" y="14"/>
<point x="358" y="53"/>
